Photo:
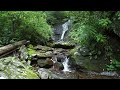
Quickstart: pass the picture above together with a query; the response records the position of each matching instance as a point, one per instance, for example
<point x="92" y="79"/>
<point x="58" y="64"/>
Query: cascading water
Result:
<point x="66" y="66"/>
<point x="65" y="28"/>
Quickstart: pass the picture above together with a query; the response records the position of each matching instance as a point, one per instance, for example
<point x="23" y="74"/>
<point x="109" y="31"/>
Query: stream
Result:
<point x="54" y="62"/>
<point x="73" y="74"/>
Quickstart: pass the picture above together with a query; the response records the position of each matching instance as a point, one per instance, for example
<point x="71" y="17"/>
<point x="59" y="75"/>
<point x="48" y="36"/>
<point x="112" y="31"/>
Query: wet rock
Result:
<point x="60" y="51"/>
<point x="60" y="58"/>
<point x="57" y="32"/>
<point x="58" y="66"/>
<point x="106" y="73"/>
<point x="64" y="45"/>
<point x="93" y="75"/>
<point x="44" y="55"/>
<point x="46" y="63"/>
<point x="47" y="74"/>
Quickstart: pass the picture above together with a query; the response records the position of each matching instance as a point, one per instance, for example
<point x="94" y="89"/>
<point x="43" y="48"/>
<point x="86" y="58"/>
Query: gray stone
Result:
<point x="46" y="63"/>
<point x="58" y="66"/>
<point x="47" y="74"/>
<point x="23" y="52"/>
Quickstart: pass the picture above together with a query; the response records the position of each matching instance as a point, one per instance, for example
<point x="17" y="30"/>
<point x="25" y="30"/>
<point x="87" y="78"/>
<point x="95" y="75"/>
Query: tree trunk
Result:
<point x="11" y="47"/>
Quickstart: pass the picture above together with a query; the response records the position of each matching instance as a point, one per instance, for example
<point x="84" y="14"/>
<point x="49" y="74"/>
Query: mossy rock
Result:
<point x="64" y="45"/>
<point x="44" y="55"/>
<point x="45" y="63"/>
<point x="13" y="68"/>
<point x="43" y="48"/>
<point x="88" y="62"/>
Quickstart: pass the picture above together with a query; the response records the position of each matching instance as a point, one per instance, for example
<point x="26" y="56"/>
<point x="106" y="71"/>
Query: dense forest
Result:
<point x="59" y="44"/>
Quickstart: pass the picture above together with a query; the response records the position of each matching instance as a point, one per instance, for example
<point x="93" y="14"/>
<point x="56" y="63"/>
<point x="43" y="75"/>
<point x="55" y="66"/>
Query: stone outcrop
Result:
<point x="64" y="45"/>
<point x="13" y="68"/>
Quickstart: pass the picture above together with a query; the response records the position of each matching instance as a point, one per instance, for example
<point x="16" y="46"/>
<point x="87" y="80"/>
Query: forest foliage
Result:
<point x="36" y="26"/>
<point x="29" y="25"/>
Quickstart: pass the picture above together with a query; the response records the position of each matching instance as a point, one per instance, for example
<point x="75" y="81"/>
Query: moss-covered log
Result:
<point x="5" y="50"/>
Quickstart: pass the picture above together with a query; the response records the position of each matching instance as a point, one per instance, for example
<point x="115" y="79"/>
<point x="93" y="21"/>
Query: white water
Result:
<point x="65" y="28"/>
<point x="66" y="66"/>
<point x="2" y="78"/>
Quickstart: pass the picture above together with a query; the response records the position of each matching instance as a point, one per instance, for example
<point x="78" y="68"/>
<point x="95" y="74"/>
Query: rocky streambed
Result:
<point x="43" y="62"/>
<point x="49" y="62"/>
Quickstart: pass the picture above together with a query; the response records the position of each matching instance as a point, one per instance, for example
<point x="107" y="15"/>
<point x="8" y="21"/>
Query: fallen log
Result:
<point x="5" y="50"/>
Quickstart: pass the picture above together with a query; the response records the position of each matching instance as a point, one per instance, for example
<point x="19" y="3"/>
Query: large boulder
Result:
<point x="86" y="58"/>
<point x="51" y="74"/>
<point x="57" y="32"/>
<point x="39" y="55"/>
<point x="13" y="68"/>
<point x="45" y="63"/>
<point x="47" y="74"/>
<point x="60" y="51"/>
<point x="44" y="55"/>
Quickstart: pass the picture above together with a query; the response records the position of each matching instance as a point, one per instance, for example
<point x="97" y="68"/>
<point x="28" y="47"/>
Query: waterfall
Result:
<point x="65" y="28"/>
<point x="66" y="66"/>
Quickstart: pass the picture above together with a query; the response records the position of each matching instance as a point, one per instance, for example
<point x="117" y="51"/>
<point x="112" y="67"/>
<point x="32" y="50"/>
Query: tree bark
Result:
<point x="5" y="50"/>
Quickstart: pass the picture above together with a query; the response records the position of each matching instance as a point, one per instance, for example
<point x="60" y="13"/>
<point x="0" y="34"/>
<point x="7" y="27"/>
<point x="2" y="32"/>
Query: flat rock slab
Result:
<point x="64" y="45"/>
<point x="43" y="48"/>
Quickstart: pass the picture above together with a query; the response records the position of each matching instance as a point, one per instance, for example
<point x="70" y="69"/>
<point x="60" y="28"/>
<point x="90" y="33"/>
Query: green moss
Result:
<point x="30" y="74"/>
<point x="17" y="70"/>
<point x="83" y="61"/>
<point x="43" y="48"/>
<point x="72" y="51"/>
<point x="31" y="51"/>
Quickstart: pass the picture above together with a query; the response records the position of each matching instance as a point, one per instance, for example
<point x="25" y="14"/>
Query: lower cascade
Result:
<point x="66" y="66"/>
